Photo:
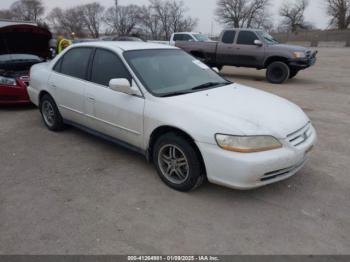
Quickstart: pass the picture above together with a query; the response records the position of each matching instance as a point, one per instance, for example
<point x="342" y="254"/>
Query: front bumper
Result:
<point x="303" y="63"/>
<point x="248" y="171"/>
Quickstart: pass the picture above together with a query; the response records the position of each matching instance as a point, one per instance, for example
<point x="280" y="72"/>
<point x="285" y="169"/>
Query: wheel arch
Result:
<point x="42" y="94"/>
<point x="162" y="130"/>
<point x="272" y="59"/>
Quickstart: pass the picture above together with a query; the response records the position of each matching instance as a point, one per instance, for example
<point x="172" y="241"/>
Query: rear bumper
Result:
<point x="304" y="63"/>
<point x="13" y="95"/>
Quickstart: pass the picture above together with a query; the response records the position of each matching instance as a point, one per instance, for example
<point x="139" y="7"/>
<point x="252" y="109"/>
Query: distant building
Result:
<point x="4" y="23"/>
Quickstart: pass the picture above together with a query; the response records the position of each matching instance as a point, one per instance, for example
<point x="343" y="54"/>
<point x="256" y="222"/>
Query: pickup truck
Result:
<point x="254" y="49"/>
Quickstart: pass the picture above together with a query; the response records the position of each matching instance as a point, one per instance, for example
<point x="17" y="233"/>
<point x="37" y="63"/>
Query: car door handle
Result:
<point x="53" y="85"/>
<point x="92" y="99"/>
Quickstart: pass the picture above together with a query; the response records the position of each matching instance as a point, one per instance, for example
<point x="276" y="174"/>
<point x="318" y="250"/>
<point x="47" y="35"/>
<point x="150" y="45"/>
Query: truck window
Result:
<point x="229" y="37"/>
<point x="178" y="37"/>
<point x="187" y="38"/>
<point x="246" y="38"/>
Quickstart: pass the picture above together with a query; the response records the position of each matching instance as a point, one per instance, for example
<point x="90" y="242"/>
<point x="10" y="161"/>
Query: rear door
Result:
<point x="225" y="51"/>
<point x="68" y="81"/>
<point x="248" y="54"/>
<point x="110" y="112"/>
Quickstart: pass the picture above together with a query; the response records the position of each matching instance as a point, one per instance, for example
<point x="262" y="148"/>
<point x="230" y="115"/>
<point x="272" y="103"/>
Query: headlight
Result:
<point x="247" y="144"/>
<point x="299" y="54"/>
<point x="7" y="81"/>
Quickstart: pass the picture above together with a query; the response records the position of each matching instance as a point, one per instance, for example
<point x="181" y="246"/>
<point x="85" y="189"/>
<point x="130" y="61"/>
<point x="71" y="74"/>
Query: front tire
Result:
<point x="277" y="72"/>
<point x="178" y="164"/>
<point x="50" y="114"/>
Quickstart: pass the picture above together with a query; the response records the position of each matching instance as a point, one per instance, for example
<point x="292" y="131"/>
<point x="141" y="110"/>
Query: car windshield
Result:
<point x="267" y="38"/>
<point x="170" y="72"/>
<point x="201" y="38"/>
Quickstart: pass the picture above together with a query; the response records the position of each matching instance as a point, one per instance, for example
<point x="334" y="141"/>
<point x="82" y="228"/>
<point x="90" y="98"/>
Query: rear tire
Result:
<point x="277" y="72"/>
<point x="50" y="114"/>
<point x="178" y="164"/>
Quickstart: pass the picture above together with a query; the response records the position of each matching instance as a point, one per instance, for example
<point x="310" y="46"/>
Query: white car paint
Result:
<point x="233" y="109"/>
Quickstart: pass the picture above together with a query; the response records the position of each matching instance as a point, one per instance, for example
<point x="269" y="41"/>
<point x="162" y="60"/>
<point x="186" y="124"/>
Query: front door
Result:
<point x="110" y="112"/>
<point x="249" y="54"/>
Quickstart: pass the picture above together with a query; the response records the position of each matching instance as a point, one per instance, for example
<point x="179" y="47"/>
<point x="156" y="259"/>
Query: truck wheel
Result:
<point x="277" y="72"/>
<point x="293" y="73"/>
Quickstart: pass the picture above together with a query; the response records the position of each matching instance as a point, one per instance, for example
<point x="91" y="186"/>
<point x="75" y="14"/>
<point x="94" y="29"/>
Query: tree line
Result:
<point x="160" y="18"/>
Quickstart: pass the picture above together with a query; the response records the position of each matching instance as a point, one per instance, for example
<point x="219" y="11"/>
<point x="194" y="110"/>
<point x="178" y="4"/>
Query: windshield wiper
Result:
<point x="209" y="85"/>
<point x="200" y="87"/>
<point x="178" y="93"/>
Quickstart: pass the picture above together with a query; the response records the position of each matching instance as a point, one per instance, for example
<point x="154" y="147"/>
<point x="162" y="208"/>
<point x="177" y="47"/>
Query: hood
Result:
<point x="292" y="48"/>
<point x="25" y="39"/>
<point x="244" y="109"/>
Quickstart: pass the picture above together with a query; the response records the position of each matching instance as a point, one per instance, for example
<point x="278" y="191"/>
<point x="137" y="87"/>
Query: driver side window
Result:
<point x="246" y="38"/>
<point x="107" y="66"/>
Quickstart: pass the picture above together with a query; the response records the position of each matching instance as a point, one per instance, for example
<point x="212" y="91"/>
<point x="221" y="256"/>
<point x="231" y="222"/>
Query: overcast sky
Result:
<point x="202" y="9"/>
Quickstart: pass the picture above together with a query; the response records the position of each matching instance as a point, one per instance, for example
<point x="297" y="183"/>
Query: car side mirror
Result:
<point x="123" y="85"/>
<point x="258" y="43"/>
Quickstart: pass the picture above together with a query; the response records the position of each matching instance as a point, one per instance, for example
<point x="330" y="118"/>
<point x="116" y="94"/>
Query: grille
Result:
<point x="282" y="172"/>
<point x="300" y="136"/>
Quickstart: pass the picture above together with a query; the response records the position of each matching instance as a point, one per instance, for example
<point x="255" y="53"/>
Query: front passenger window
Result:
<point x="107" y="66"/>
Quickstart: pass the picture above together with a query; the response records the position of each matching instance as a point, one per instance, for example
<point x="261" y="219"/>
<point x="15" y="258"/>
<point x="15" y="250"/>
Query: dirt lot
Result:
<point x="71" y="193"/>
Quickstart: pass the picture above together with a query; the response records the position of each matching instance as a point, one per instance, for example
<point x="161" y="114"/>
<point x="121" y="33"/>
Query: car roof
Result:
<point x="126" y="45"/>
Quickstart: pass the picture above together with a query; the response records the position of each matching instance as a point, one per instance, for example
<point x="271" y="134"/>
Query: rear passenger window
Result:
<point x="229" y="37"/>
<point x="246" y="38"/>
<point x="107" y="66"/>
<point x="57" y="66"/>
<point x="75" y="62"/>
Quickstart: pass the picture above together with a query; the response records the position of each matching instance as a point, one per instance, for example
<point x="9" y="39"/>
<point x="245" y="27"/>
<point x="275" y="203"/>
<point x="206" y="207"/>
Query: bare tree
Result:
<point x="339" y="10"/>
<point x="293" y="15"/>
<point x="171" y="15"/>
<point x="150" y="23"/>
<point x="6" y="14"/>
<point x="66" y="22"/>
<point x="27" y="10"/>
<point x="92" y="15"/>
<point x="122" y="19"/>
<point x="242" y="13"/>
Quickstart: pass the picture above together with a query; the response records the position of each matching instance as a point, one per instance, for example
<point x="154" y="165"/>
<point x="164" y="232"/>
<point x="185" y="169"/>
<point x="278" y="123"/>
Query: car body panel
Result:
<point x="232" y="109"/>
<point x="18" y="42"/>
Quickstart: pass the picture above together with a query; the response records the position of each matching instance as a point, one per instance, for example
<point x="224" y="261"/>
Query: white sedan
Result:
<point x="185" y="118"/>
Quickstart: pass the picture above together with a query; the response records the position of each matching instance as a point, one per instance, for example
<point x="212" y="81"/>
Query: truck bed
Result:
<point x="205" y="51"/>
